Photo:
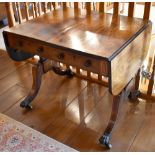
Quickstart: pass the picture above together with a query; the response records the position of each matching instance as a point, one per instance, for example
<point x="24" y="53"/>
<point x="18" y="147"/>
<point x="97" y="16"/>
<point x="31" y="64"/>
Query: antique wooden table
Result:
<point x="109" y="45"/>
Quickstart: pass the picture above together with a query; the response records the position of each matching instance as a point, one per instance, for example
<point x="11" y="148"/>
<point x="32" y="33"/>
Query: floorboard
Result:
<point x="7" y="65"/>
<point x="76" y="112"/>
<point x="52" y="101"/>
<point x="145" y="139"/>
<point x="10" y="97"/>
<point x="21" y="74"/>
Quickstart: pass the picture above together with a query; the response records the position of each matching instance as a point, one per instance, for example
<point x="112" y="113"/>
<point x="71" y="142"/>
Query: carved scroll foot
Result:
<point x="105" y="138"/>
<point x="37" y="72"/>
<point x="26" y="104"/>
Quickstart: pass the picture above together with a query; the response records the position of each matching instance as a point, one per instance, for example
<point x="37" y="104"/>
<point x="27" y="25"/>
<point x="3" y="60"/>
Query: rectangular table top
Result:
<point x="100" y="34"/>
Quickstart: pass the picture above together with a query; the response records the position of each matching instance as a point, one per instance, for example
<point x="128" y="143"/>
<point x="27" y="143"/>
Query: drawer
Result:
<point x="71" y="58"/>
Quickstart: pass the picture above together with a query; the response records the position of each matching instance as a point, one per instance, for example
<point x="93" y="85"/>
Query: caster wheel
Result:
<point x="133" y="96"/>
<point x="104" y="140"/>
<point x="109" y="146"/>
<point x="26" y="105"/>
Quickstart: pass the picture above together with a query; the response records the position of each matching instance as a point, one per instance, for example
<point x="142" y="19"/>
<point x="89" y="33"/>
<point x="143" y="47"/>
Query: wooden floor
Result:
<point x="74" y="111"/>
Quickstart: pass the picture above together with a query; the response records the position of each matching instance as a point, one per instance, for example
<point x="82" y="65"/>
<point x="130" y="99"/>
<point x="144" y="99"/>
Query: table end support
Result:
<point x="37" y="72"/>
<point x="42" y="66"/>
<point x="105" y="138"/>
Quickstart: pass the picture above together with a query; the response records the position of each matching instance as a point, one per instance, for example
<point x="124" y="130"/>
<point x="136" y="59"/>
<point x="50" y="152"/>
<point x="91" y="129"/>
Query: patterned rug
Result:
<point x="16" y="137"/>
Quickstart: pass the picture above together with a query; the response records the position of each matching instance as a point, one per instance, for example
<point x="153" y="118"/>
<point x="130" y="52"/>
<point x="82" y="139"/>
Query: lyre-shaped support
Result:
<point x="43" y="66"/>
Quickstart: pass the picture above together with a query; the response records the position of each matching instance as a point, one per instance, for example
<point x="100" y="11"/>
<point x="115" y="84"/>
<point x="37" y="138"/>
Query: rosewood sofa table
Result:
<point x="109" y="45"/>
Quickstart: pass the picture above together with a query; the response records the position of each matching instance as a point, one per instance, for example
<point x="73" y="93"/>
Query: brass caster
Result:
<point x="25" y="104"/>
<point x="104" y="140"/>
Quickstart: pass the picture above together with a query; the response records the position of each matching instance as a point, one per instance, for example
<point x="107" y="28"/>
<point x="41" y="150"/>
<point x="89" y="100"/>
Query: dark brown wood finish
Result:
<point x="60" y="28"/>
<point x="131" y="9"/>
<point x="147" y="10"/>
<point x="59" y="55"/>
<point x="96" y="42"/>
<point x="84" y="28"/>
<point x="107" y="133"/>
<point x="37" y="72"/>
<point x="9" y="10"/>
<point x="116" y="8"/>
<point x="134" y="59"/>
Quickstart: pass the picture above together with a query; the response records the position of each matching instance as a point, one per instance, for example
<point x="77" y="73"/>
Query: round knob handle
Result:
<point x="40" y="49"/>
<point x="61" y="56"/>
<point x="88" y="63"/>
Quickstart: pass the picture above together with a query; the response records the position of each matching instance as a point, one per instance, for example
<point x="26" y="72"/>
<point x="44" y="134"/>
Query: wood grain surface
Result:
<point x="96" y="42"/>
<point x="126" y="64"/>
<point x="96" y="34"/>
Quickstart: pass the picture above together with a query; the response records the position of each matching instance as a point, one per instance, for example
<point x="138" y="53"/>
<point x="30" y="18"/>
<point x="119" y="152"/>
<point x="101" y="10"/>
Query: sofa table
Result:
<point x="108" y="45"/>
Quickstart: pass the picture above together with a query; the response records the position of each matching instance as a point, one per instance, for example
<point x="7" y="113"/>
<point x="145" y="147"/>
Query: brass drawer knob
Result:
<point x="40" y="49"/>
<point x="61" y="56"/>
<point x="88" y="63"/>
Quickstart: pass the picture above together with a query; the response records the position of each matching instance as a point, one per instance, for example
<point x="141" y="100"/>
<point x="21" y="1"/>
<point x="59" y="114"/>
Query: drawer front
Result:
<point x="70" y="58"/>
